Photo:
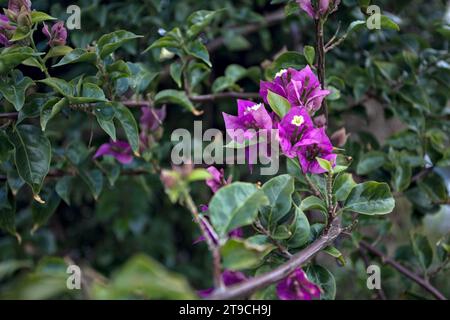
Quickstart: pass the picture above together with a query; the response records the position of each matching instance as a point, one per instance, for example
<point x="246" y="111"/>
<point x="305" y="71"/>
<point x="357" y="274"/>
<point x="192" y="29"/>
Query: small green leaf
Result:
<point x="176" y="97"/>
<point x="13" y="56"/>
<point x="32" y="155"/>
<point x="343" y="185"/>
<point x="279" y="192"/>
<point x="51" y="109"/>
<point x="14" y="89"/>
<point x="371" y="198"/>
<point x="279" y="105"/>
<point x="7" y="210"/>
<point x="93" y="179"/>
<point x="300" y="229"/>
<point x="387" y="23"/>
<point x="309" y="53"/>
<point x="75" y="56"/>
<point x="199" y="20"/>
<point x="422" y="250"/>
<point x="198" y="175"/>
<point x="239" y="254"/>
<point x="60" y="86"/>
<point x="110" y="42"/>
<point x="324" y="279"/>
<point x="198" y="50"/>
<point x="370" y="161"/>
<point x="63" y="188"/>
<point x="129" y="125"/>
<point x="38" y="16"/>
<point x="313" y="203"/>
<point x="325" y="164"/>
<point x="332" y="251"/>
<point x="234" y="206"/>
<point x="176" y="71"/>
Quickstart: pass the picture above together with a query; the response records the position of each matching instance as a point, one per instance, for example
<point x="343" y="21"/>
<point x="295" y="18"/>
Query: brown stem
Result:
<point x="248" y="287"/>
<point x="320" y="48"/>
<point x="217" y="266"/>
<point x="403" y="270"/>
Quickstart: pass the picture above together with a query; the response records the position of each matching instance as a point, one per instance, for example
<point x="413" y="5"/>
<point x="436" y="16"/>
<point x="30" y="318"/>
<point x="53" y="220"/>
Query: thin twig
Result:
<point x="403" y="270"/>
<point x="217" y="266"/>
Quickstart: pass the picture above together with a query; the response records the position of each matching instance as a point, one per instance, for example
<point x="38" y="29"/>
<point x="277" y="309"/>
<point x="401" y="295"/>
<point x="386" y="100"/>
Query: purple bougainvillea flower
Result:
<point x="315" y="143"/>
<point x="297" y="287"/>
<point x="292" y="128"/>
<point x="315" y="13"/>
<point x="304" y="89"/>
<point x="15" y="6"/>
<point x="57" y="35"/>
<point x="229" y="278"/>
<point x="250" y="118"/>
<point x="151" y="119"/>
<point x="6" y="31"/>
<point x="217" y="179"/>
<point x="300" y="87"/>
<point x="120" y="150"/>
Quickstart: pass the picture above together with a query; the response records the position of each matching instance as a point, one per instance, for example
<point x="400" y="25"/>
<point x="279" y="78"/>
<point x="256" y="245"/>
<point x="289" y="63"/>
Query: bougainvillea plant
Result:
<point x="84" y="128"/>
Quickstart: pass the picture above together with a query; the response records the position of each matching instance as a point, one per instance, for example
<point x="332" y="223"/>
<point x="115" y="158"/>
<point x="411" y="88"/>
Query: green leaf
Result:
<point x="313" y="203"/>
<point x="51" y="109"/>
<point x="13" y="89"/>
<point x="7" y="211"/>
<point x="93" y="179"/>
<point x="176" y="97"/>
<point x="289" y="59"/>
<point x="324" y="279"/>
<point x="325" y="164"/>
<point x="105" y="114"/>
<point x="279" y="105"/>
<point x="434" y="187"/>
<point x="387" y="23"/>
<point x="309" y="52"/>
<point x="199" y="20"/>
<point x="63" y="188"/>
<point x="41" y="212"/>
<point x="110" y="42"/>
<point x="343" y="185"/>
<point x="332" y="251"/>
<point x="370" y="161"/>
<point x="144" y="277"/>
<point x="240" y="254"/>
<point x="38" y="16"/>
<point x="60" y="86"/>
<point x="234" y="206"/>
<point x="75" y="56"/>
<point x="129" y="125"/>
<point x="90" y="93"/>
<point x="32" y="155"/>
<point x="198" y="175"/>
<point x="13" y="56"/>
<point x="172" y="39"/>
<point x="422" y="250"/>
<point x="371" y="198"/>
<point x="198" y="50"/>
<point x="176" y="71"/>
<point x="22" y="32"/>
<point x="279" y="191"/>
<point x="300" y="229"/>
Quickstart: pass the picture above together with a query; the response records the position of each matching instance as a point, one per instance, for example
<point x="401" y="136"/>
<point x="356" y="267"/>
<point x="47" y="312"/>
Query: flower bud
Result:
<point x="57" y="35"/>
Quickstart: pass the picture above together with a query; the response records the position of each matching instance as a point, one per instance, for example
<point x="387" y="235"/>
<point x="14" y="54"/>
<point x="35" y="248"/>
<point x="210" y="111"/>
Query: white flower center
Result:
<point x="297" y="121"/>
<point x="254" y="107"/>
<point x="280" y="73"/>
